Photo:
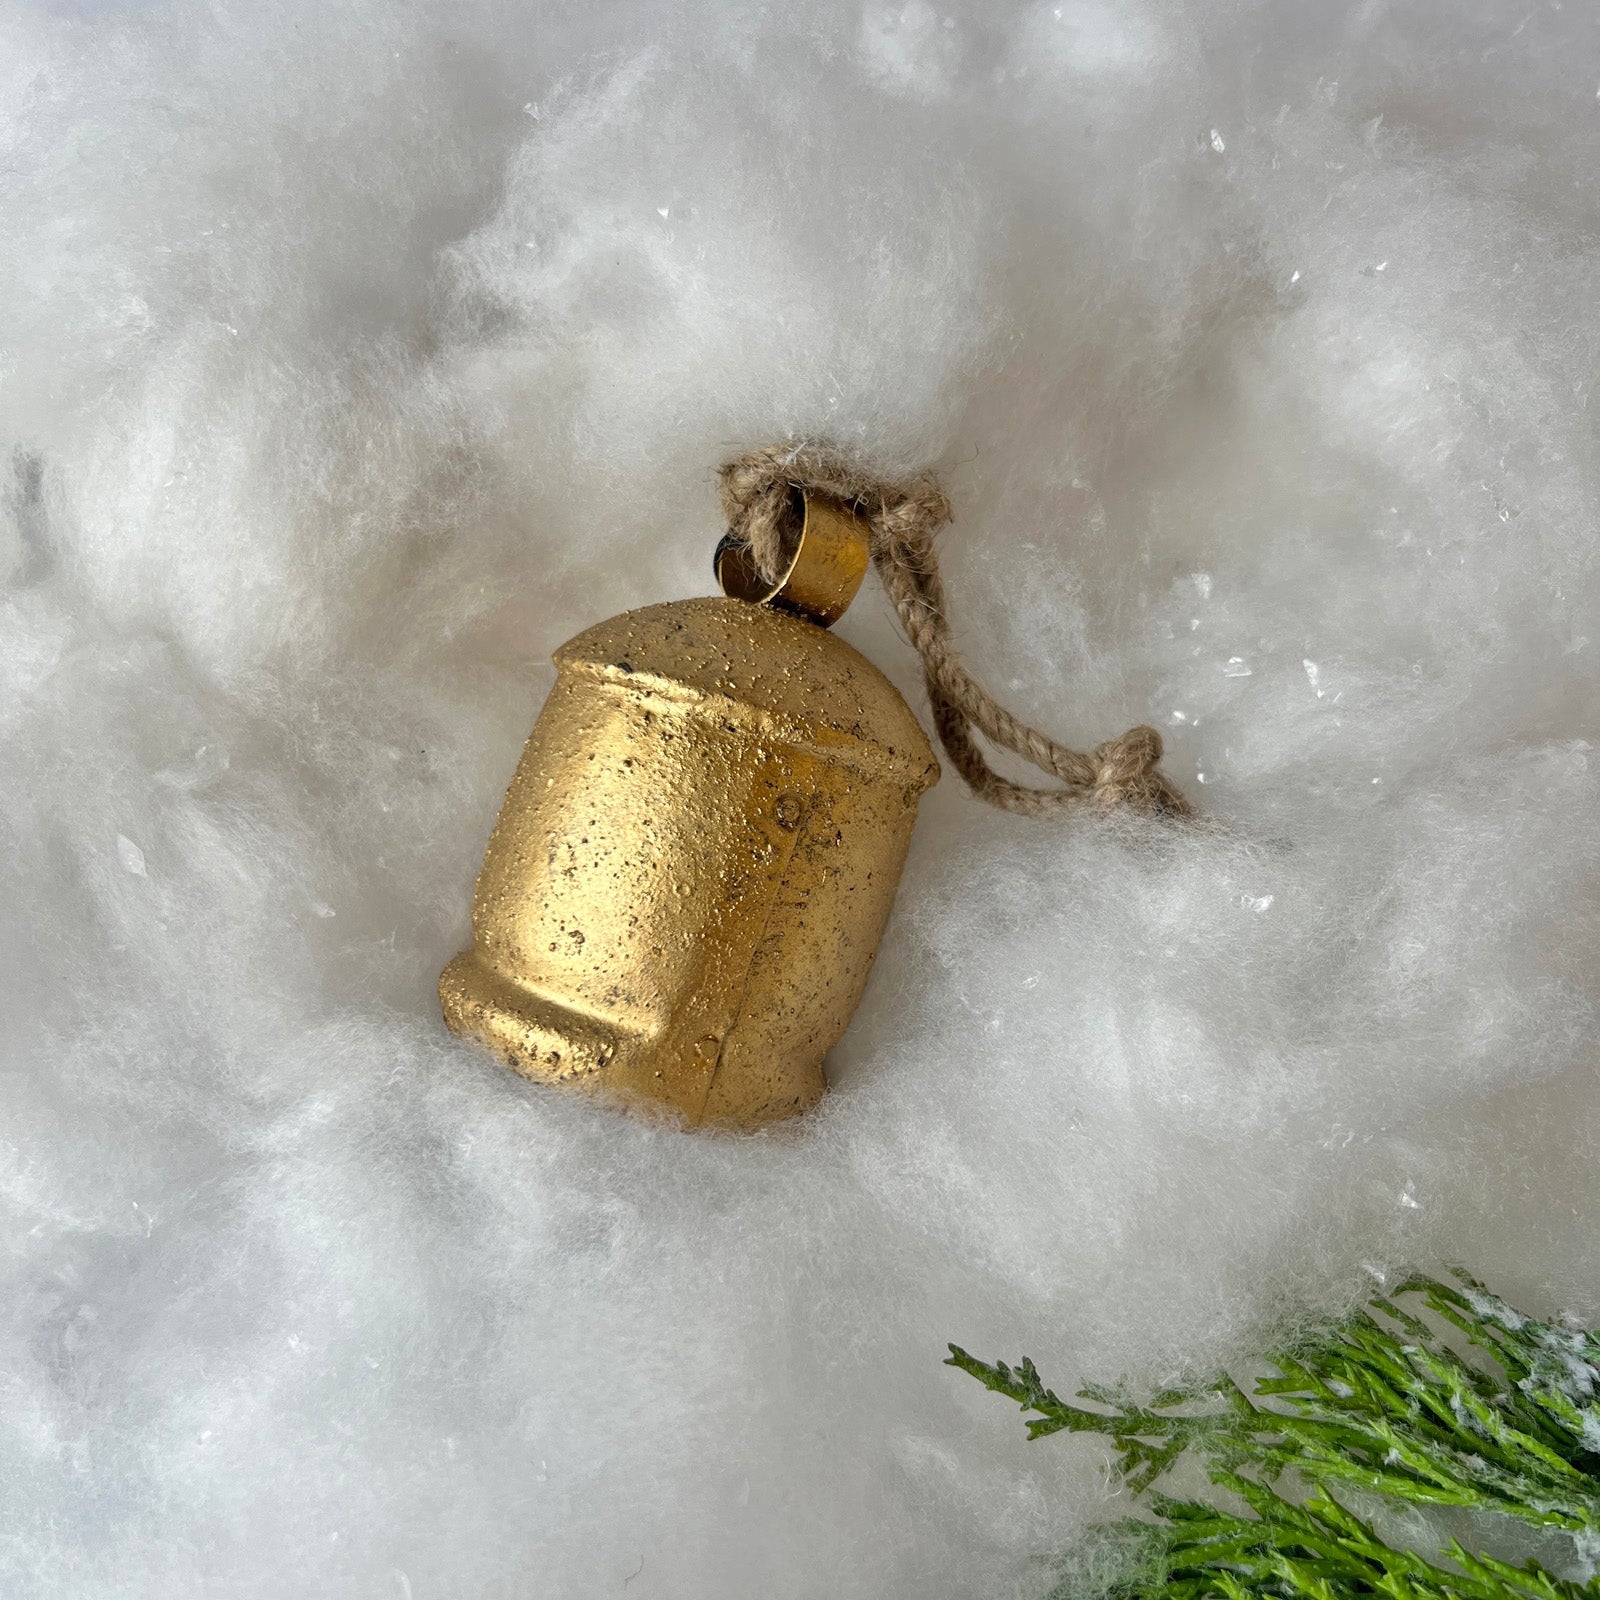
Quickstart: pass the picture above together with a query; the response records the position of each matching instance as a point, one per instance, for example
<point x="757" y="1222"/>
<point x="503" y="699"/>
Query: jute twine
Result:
<point x="903" y="519"/>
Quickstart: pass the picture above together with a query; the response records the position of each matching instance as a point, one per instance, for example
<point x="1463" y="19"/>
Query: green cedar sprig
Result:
<point x="1379" y="1405"/>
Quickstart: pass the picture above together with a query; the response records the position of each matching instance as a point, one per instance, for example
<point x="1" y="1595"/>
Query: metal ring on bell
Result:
<point x="830" y="560"/>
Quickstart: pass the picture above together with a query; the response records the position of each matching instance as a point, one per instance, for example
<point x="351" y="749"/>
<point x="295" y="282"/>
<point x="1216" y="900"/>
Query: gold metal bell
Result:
<point x="685" y="889"/>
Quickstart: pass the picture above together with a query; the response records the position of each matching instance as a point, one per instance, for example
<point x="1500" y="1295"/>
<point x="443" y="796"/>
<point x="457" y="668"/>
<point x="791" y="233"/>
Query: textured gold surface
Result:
<point x="830" y="559"/>
<point x="686" y="885"/>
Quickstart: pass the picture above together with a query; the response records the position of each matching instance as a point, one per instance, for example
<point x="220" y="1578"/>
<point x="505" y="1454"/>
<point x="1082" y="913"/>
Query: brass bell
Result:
<point x="684" y="892"/>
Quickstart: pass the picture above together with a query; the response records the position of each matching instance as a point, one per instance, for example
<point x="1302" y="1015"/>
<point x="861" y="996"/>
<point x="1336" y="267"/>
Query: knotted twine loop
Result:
<point x="902" y="519"/>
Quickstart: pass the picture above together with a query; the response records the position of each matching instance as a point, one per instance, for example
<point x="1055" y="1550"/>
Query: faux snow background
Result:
<point x="352" y="356"/>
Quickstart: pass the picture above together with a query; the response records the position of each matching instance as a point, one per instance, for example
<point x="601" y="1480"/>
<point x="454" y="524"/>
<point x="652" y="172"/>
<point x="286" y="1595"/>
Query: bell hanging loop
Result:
<point x="828" y="561"/>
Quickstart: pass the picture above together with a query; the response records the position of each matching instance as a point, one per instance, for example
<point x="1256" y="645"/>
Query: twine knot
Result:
<point x="902" y="518"/>
<point x="1128" y="773"/>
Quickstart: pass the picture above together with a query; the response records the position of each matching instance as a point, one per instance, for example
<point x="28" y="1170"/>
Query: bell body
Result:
<point x="685" y="888"/>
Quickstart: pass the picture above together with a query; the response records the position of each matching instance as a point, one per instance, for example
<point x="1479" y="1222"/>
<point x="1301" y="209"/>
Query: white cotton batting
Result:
<point x="352" y="356"/>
